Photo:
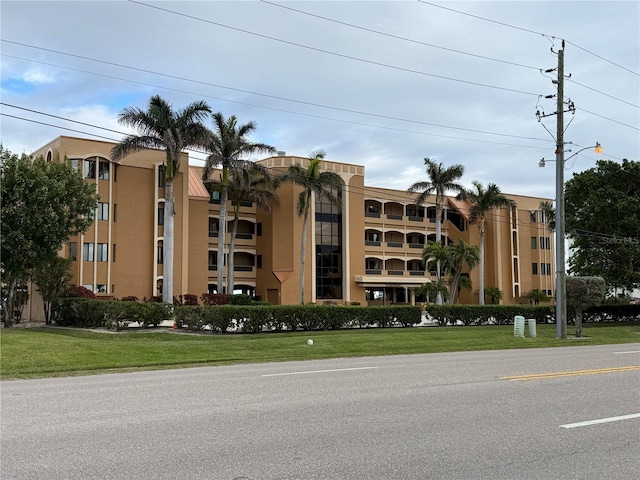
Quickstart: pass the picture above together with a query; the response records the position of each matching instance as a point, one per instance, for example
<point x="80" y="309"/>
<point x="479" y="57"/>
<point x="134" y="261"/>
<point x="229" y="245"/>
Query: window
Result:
<point x="160" y="216"/>
<point x="115" y="211"/>
<point x="88" y="286"/>
<point x="90" y="169"/>
<point x="534" y="243"/>
<point x="73" y="251"/>
<point x="213" y="260"/>
<point x="259" y="229"/>
<point x="213" y="227"/>
<point x="75" y="164"/>
<point x="113" y="253"/>
<point x="548" y="269"/>
<point x="160" y="252"/>
<point x="101" y="288"/>
<point x="328" y="223"/>
<point x="87" y="252"/>
<point x="533" y="215"/>
<point x="161" y="175"/>
<point x="547" y="243"/>
<point x="259" y="261"/>
<point x="103" y="173"/>
<point x="103" y="252"/>
<point x="534" y="268"/>
<point x="103" y="211"/>
<point x="545" y="268"/>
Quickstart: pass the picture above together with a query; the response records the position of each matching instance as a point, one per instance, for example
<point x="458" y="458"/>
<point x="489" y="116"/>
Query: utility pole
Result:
<point x="561" y="284"/>
<point x="561" y="300"/>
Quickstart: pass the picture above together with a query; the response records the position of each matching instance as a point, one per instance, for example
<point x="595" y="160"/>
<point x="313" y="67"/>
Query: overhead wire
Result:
<point x="504" y="24"/>
<point x="440" y="47"/>
<point x="328" y="52"/>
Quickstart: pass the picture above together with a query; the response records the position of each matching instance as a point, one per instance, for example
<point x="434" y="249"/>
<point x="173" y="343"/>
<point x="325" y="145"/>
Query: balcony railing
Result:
<point x="416" y="273"/>
<point x="372" y="243"/>
<point x="391" y="216"/>
<point x="213" y="233"/>
<point x="394" y="244"/>
<point x="242" y="268"/>
<point x="245" y="236"/>
<point x="414" y="218"/>
<point x="213" y="267"/>
<point x="416" y="245"/>
<point x="395" y="272"/>
<point x="372" y="214"/>
<point x="373" y="271"/>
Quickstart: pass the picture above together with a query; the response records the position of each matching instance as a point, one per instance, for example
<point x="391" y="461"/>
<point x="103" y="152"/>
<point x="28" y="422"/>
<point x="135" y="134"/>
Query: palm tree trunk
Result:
<point x="232" y="246"/>
<point x="222" y="234"/>
<point x="438" y="239"/>
<point x="168" y="243"/>
<point x="303" y="250"/>
<point x="481" y="267"/>
<point x="454" y="288"/>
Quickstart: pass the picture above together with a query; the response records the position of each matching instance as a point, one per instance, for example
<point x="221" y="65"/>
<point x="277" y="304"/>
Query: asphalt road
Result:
<point x="434" y="416"/>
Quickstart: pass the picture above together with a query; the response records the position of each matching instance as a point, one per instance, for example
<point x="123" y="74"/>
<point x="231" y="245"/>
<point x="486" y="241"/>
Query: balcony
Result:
<point x="243" y="268"/>
<point x="372" y="214"/>
<point x="395" y="272"/>
<point x="416" y="273"/>
<point x="416" y="245"/>
<point x="372" y="243"/>
<point x="394" y="217"/>
<point x="394" y="244"/>
<point x="370" y="271"/>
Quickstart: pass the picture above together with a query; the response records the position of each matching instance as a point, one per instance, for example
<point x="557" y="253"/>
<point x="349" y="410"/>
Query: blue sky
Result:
<point x="380" y="84"/>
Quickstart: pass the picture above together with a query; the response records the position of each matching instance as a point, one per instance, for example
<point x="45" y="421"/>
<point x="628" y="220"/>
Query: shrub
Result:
<point x="214" y="299"/>
<point x="131" y="298"/>
<point x="75" y="291"/>
<point x="240" y="299"/>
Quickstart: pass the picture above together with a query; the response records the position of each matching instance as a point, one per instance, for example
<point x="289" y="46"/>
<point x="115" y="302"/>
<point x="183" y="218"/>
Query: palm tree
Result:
<point x="312" y="181"/>
<point x="464" y="282"/>
<point x="161" y="127"/>
<point x="254" y="184"/>
<point x="549" y="214"/>
<point x="227" y="144"/>
<point x="494" y="293"/>
<point x="440" y="181"/>
<point x="461" y="255"/>
<point x="482" y="201"/>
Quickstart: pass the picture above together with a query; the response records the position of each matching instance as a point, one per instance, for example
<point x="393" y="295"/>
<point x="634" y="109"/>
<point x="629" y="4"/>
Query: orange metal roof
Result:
<point x="196" y="187"/>
<point x="462" y="206"/>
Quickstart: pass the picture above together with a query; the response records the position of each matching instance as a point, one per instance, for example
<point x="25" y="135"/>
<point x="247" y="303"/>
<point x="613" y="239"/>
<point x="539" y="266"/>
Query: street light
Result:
<point x="561" y="300"/>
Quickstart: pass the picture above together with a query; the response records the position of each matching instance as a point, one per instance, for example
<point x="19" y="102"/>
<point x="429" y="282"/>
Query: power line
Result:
<point x="528" y="31"/>
<point x="328" y="52"/>
<point x="397" y="37"/>
<point x="388" y="117"/>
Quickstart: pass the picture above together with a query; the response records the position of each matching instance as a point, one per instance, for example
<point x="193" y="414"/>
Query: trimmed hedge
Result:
<point x="89" y="313"/>
<point x="612" y="313"/>
<point x="489" y="314"/>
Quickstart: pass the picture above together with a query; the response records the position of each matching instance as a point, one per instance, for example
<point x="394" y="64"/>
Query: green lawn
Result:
<point x="45" y="352"/>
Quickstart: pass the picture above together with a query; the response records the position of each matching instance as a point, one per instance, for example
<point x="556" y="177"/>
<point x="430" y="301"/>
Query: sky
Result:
<point x="382" y="84"/>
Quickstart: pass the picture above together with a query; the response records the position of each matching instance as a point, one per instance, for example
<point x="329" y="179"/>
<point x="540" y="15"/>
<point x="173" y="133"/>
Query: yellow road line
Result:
<point x="540" y="376"/>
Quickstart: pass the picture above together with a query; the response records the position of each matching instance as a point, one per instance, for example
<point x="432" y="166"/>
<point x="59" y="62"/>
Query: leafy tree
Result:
<point x="536" y="296"/>
<point x="603" y="222"/>
<point x="464" y="282"/>
<point x="583" y="292"/>
<point x="440" y="181"/>
<point x="482" y="201"/>
<point x="494" y="294"/>
<point x="42" y="205"/>
<point x="462" y="255"/>
<point x="250" y="184"/>
<point x="227" y="145"/>
<point x="51" y="277"/>
<point x="161" y="127"/>
<point x="313" y="181"/>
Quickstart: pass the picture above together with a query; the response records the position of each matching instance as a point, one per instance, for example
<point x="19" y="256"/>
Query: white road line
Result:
<point x="601" y="420"/>
<point x="624" y="353"/>
<point x="317" y="371"/>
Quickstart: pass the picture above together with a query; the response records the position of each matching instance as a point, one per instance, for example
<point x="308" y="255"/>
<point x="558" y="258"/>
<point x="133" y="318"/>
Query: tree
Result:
<point x="313" y="182"/>
<point x="603" y="222"/>
<point x="464" y="282"/>
<point x="462" y="255"/>
<point x="536" y="296"/>
<point x="432" y="290"/>
<point x="583" y="292"/>
<point x="494" y="293"/>
<point x="42" y="205"/>
<point x="227" y="145"/>
<point x="440" y="181"/>
<point x="251" y="184"/>
<point x="549" y="214"/>
<point x="51" y="277"/>
<point x="482" y="201"/>
<point x="160" y="127"/>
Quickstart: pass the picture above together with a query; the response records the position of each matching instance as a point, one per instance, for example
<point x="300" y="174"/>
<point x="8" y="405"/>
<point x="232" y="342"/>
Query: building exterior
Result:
<point x="369" y="251"/>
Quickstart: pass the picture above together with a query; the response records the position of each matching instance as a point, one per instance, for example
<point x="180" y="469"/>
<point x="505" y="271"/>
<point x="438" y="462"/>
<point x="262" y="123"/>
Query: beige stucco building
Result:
<point x="369" y="251"/>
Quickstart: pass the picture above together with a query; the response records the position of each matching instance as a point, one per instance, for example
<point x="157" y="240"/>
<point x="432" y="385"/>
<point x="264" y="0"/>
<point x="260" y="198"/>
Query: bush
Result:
<point x="90" y="313"/>
<point x="214" y="299"/>
<point x="487" y="314"/>
<point x="75" y="291"/>
<point x="240" y="299"/>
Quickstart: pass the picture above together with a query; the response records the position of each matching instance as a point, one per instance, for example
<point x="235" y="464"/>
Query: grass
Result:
<point x="48" y="352"/>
